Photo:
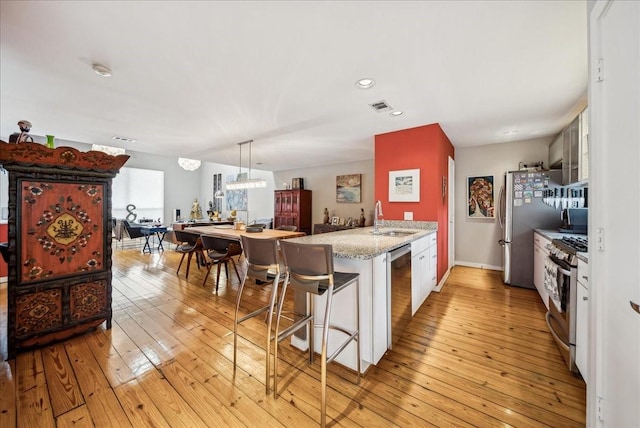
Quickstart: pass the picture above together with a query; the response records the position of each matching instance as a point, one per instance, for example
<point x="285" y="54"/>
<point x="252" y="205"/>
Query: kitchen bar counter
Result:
<point x="359" y="251"/>
<point x="361" y="244"/>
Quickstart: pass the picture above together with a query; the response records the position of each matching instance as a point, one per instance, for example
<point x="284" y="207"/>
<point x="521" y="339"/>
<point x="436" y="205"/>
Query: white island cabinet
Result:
<point x="358" y="250"/>
<point x="424" y="261"/>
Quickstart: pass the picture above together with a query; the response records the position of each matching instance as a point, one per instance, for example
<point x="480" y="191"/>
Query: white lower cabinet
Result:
<point x="424" y="260"/>
<point x="582" y="320"/>
<point x="540" y="253"/>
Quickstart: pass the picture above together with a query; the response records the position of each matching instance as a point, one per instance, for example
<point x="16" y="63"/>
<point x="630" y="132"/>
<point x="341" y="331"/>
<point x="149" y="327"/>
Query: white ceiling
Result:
<point x="193" y="79"/>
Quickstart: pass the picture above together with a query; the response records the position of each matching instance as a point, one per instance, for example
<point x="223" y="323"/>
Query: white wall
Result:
<point x="477" y="239"/>
<point x="322" y="182"/>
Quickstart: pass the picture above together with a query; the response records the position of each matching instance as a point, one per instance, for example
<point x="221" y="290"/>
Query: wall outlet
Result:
<point x="408" y="215"/>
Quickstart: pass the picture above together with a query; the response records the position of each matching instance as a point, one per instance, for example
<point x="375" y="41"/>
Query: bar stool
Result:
<point x="263" y="264"/>
<point x="310" y="270"/>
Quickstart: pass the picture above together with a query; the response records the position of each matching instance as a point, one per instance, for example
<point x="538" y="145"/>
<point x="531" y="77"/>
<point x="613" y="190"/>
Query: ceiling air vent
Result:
<point x="381" y="106"/>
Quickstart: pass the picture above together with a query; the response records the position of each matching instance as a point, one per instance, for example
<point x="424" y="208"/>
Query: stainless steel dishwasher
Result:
<point x="399" y="292"/>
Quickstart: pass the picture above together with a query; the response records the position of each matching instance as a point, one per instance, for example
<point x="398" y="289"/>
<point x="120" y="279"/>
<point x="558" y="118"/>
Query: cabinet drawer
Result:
<point x="583" y="273"/>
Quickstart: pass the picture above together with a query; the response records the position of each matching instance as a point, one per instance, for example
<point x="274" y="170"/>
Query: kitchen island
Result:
<point x="359" y="250"/>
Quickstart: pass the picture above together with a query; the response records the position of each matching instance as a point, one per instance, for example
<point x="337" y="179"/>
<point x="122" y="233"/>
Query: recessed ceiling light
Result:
<point x="128" y="140"/>
<point x="365" y="83"/>
<point x="396" y="113"/>
<point x="508" y="133"/>
<point x="101" y="70"/>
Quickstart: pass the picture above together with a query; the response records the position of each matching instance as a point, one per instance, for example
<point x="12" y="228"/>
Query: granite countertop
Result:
<point x="361" y="244"/>
<point x="554" y="234"/>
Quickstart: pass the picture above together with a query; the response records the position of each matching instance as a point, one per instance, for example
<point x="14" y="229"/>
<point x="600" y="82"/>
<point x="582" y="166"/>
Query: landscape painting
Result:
<point x="348" y="188"/>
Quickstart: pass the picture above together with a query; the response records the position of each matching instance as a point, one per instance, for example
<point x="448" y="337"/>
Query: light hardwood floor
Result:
<point x="476" y="354"/>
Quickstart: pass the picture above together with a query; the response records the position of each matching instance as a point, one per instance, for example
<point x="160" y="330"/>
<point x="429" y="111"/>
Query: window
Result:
<point x="143" y="188"/>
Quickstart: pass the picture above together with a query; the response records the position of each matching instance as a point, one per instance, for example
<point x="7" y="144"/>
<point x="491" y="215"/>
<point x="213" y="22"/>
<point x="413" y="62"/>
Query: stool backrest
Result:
<point x="261" y="255"/>
<point x="310" y="265"/>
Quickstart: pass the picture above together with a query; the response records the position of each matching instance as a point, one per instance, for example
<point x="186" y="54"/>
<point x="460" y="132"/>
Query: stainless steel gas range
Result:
<point x="561" y="273"/>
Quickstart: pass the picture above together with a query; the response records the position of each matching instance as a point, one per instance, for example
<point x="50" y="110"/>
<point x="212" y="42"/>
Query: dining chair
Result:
<point x="220" y="251"/>
<point x="310" y="271"/>
<point x="188" y="244"/>
<point x="287" y="228"/>
<point x="263" y="266"/>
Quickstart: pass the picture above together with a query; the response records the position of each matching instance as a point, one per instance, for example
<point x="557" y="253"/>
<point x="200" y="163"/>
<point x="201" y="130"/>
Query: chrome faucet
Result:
<point x="377" y="213"/>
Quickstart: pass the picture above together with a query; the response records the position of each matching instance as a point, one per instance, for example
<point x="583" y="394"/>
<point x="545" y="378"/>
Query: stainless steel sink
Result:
<point x="398" y="233"/>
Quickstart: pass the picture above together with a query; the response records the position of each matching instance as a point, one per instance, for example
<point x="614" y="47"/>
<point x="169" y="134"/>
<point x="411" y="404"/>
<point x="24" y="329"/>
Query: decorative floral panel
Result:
<point x="38" y="311"/>
<point x="88" y="300"/>
<point x="63" y="229"/>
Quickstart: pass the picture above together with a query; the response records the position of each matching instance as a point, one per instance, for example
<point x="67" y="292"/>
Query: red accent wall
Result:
<point x="4" y="237"/>
<point x="426" y="148"/>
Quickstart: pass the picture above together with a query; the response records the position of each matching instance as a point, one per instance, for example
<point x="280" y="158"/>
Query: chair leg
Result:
<point x="181" y="260"/>
<point x="218" y="276"/>
<point x="277" y="335"/>
<point x="188" y="265"/>
<point x="206" y="275"/>
<point x="233" y="262"/>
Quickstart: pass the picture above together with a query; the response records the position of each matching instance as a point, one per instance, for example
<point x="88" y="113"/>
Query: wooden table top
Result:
<point x="235" y="234"/>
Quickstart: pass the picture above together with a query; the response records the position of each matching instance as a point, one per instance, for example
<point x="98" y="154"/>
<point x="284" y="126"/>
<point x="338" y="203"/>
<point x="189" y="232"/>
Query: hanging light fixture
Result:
<point x="244" y="181"/>
<point x="189" y="164"/>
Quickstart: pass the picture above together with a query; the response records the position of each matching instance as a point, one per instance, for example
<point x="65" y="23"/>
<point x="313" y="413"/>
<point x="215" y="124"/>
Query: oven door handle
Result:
<point x="563" y="271"/>
<point x="559" y="341"/>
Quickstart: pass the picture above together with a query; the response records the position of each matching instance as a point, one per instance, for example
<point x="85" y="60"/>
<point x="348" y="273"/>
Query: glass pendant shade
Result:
<point x="189" y="164"/>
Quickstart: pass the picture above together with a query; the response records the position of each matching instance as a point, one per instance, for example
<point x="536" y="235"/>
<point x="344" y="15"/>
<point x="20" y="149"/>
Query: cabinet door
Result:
<point x="582" y="336"/>
<point x="540" y="254"/>
<point x="432" y="269"/>
<point x="416" y="281"/>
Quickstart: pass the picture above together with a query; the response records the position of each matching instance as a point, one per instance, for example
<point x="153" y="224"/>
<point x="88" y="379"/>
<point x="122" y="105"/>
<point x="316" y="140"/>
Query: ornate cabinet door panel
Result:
<point x="62" y="229"/>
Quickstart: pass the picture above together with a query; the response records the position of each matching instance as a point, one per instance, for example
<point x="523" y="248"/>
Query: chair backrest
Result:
<point x="184" y="237"/>
<point x="221" y="247"/>
<point x="118" y="230"/>
<point x="287" y="228"/>
<point x="261" y="256"/>
<point x="133" y="232"/>
<point x="308" y="264"/>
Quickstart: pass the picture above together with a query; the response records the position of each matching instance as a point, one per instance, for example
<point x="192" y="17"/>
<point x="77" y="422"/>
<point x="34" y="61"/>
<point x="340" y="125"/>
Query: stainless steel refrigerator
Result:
<point x="528" y="201"/>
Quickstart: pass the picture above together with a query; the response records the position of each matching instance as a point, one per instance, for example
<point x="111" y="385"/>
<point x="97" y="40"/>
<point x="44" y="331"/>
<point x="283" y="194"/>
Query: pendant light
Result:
<point x="242" y="181"/>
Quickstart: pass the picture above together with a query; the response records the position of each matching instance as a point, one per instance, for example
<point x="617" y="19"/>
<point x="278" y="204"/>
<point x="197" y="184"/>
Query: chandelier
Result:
<point x="113" y="151"/>
<point x="244" y="181"/>
<point x="189" y="164"/>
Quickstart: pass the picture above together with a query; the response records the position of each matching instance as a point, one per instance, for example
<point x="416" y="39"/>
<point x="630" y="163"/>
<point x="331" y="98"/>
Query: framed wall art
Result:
<point x="348" y="188"/>
<point x="480" y="197"/>
<point x="404" y="185"/>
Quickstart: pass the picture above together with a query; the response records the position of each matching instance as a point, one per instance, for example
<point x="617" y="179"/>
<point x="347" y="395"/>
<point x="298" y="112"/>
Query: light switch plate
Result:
<point x="408" y="215"/>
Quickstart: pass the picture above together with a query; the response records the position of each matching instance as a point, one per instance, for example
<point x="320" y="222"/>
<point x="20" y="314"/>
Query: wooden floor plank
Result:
<point x="478" y="353"/>
<point x="79" y="417"/>
<point x="139" y="407"/>
<point x="32" y="402"/>
<point x="61" y="381"/>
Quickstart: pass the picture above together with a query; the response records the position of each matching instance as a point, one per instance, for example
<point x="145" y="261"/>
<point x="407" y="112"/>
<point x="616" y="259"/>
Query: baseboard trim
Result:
<point x="478" y="265"/>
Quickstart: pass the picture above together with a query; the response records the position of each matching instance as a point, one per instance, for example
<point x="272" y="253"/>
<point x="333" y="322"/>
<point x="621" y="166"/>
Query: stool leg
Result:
<point x="323" y="367"/>
<point x="277" y="335"/>
<point x="274" y="296"/>
<point x="235" y="327"/>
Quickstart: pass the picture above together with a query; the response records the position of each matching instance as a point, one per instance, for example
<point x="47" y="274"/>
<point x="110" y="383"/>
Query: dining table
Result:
<point x="227" y="231"/>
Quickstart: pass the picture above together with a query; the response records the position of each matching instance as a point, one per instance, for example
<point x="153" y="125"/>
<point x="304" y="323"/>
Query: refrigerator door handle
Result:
<point x="501" y="209"/>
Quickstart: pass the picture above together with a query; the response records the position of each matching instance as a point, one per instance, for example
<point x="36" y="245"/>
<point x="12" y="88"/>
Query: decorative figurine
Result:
<point x="325" y="219"/>
<point x="196" y="211"/>
<point x="22" y="136"/>
<point x="362" y="220"/>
